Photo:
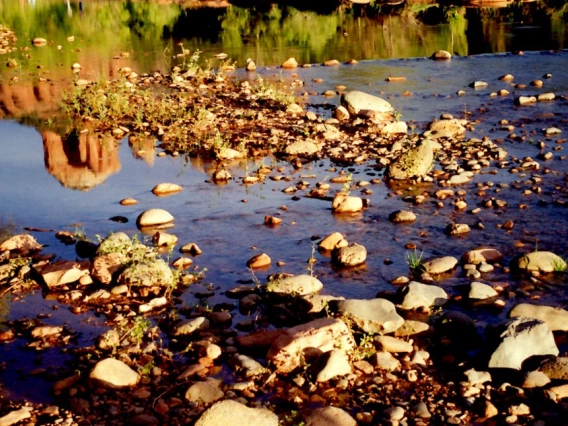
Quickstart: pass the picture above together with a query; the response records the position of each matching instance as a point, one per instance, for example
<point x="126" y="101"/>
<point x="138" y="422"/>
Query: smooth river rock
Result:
<point x="481" y="255"/>
<point x="234" y="413"/>
<point x="440" y="265"/>
<point x="481" y="291"/>
<point x="299" y="285"/>
<point x="542" y="261"/>
<point x="519" y="339"/>
<point x="416" y="162"/>
<point x="154" y="218"/>
<point x="343" y="203"/>
<point x="302" y="148"/>
<point x="115" y="374"/>
<point x="337" y="365"/>
<point x="401" y="216"/>
<point x="166" y="189"/>
<point x="556" y="368"/>
<point x="417" y="295"/>
<point x="329" y="416"/>
<point x="352" y="255"/>
<point x="371" y="315"/>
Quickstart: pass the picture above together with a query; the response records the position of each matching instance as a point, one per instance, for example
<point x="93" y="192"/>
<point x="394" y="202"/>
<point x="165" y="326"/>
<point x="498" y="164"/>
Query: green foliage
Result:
<point x="414" y="260"/>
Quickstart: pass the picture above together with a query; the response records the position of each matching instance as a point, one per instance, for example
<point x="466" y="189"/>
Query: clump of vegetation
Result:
<point x="414" y="260"/>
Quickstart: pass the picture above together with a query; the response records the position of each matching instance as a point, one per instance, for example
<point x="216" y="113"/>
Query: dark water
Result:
<point x="57" y="182"/>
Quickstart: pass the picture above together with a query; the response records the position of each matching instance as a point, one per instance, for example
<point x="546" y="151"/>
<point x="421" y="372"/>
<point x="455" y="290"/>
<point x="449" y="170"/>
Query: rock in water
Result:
<point x="371" y="315"/>
<point x="418" y="295"/>
<point x="519" y="339"/>
<point x="343" y="203"/>
<point x="114" y="374"/>
<point x="352" y="255"/>
<point x="300" y="285"/>
<point x="543" y="261"/>
<point x="166" y="189"/>
<point x="441" y="55"/>
<point x="416" y="162"/>
<point x="154" y="218"/>
<point x="23" y="244"/>
<point x="290" y="63"/>
<point x="356" y="102"/>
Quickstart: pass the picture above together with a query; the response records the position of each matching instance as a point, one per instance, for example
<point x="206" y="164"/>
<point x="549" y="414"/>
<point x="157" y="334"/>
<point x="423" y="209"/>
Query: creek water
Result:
<point x="56" y="182"/>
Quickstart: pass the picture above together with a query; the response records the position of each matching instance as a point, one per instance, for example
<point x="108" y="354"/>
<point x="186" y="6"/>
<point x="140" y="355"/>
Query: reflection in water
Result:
<point x="28" y="98"/>
<point x="80" y="161"/>
<point x="143" y="148"/>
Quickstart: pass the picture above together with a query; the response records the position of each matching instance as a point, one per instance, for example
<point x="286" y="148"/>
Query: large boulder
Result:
<point x="298" y="285"/>
<point x="541" y="261"/>
<point x="416" y="162"/>
<point x="371" y="315"/>
<point x="555" y="318"/>
<point x="357" y="102"/>
<point x="313" y="338"/>
<point x="519" y="339"/>
<point x="417" y="295"/>
<point x="234" y="413"/>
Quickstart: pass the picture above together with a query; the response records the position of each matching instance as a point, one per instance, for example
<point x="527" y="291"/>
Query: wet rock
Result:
<point x="352" y="255"/>
<point x="290" y="63"/>
<point x="247" y="365"/>
<point x="337" y="365"/>
<point x="105" y="267"/>
<point x="317" y="336"/>
<point x="108" y="340"/>
<point x="555" y="318"/>
<point x="478" y="84"/>
<point x="555" y="369"/>
<point x="154" y="218"/>
<point x="251" y="65"/>
<point x="535" y="379"/>
<point x="155" y="303"/>
<point x="204" y="392"/>
<point x="300" y="285"/>
<point x="356" y="102"/>
<point x="306" y="147"/>
<point x="525" y="100"/>
<point x="519" y="339"/>
<point x="234" y="413"/>
<point x="448" y="128"/>
<point x="416" y="162"/>
<point x="23" y="244"/>
<point x="329" y="416"/>
<point x="166" y="189"/>
<point x="393" y="345"/>
<point x="480" y="291"/>
<point x="401" y="216"/>
<point x="62" y="272"/>
<point x="182" y="263"/>
<point x="542" y="261"/>
<point x="385" y="361"/>
<point x="189" y="326"/>
<point x="16" y="416"/>
<point x="162" y="239"/>
<point x="374" y="316"/>
<point x="221" y="176"/>
<point x="332" y="241"/>
<point x="39" y="41"/>
<point x="114" y="374"/>
<point x="128" y="201"/>
<point x="460" y="178"/>
<point x="457" y="229"/>
<point x="440" y="265"/>
<point x="507" y="77"/>
<point x="546" y="97"/>
<point x="343" y="203"/>
<point x="191" y="248"/>
<point x="229" y="154"/>
<point x="418" y="295"/>
<point x="481" y="255"/>
<point x="156" y="272"/>
<point x="441" y="55"/>
<point x="259" y="261"/>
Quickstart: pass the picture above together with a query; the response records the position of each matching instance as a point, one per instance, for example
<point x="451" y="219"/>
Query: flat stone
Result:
<point x="440" y="265"/>
<point x="374" y="316"/>
<point x="62" y="272"/>
<point x="393" y="345"/>
<point x="234" y="413"/>
<point x="114" y="374"/>
<point x="480" y="255"/>
<point x="300" y="285"/>
<point x="166" y="189"/>
<point x="481" y="291"/>
<point x="332" y="241"/>
<point x="187" y="327"/>
<point x="356" y="101"/>
<point x="385" y="361"/>
<point x="321" y="335"/>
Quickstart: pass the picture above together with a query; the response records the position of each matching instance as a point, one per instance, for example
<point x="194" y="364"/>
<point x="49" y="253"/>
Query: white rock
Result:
<point x="385" y="361"/>
<point x="371" y="315"/>
<point x="301" y="285"/>
<point x="555" y="318"/>
<point x="417" y="295"/>
<point x="440" y="265"/>
<point x="114" y="374"/>
<point x="234" y="413"/>
<point x="329" y="416"/>
<point x="154" y="217"/>
<point x="480" y="291"/>
<point x="343" y="203"/>
<point x="337" y="365"/>
<point x="189" y="326"/>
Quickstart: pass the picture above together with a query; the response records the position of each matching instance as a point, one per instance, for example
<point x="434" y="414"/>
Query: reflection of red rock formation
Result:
<point x="80" y="163"/>
<point x="28" y="97"/>
<point x="143" y="148"/>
